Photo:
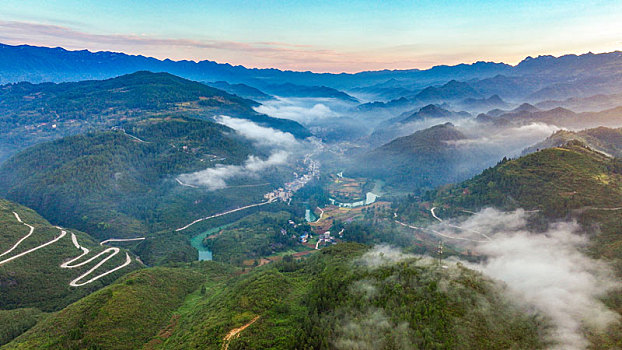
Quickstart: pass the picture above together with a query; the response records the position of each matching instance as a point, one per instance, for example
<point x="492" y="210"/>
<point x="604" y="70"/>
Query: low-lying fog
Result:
<point x="545" y="272"/>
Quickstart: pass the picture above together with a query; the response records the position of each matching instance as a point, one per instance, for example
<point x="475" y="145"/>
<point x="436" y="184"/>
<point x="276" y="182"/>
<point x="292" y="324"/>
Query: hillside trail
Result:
<point x="234" y="333"/>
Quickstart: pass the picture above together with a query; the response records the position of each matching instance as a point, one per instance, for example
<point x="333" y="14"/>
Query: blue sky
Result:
<point x="320" y="36"/>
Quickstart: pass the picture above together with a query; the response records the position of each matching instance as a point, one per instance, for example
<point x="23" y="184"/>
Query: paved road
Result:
<point x="23" y="238"/>
<point x="62" y="234"/>
<point x="121" y="240"/>
<point x="70" y="264"/>
<point x="438" y="233"/>
<point x="223" y="213"/>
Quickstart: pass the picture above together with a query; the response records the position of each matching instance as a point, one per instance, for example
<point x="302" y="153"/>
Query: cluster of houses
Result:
<point x="286" y="192"/>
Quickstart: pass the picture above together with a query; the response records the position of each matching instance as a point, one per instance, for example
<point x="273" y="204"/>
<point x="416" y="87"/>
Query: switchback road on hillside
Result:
<point x="62" y="234"/>
<point x="21" y="239"/>
<point x="70" y="264"/>
<point x="112" y="253"/>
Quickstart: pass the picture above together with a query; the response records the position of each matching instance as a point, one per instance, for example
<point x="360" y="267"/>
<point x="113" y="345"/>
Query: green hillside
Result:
<point x="32" y="113"/>
<point x="256" y="236"/>
<point x="36" y="279"/>
<point x="424" y="159"/>
<point x="569" y="182"/>
<point x="124" y="315"/>
<point x="16" y="321"/>
<point x="334" y="298"/>
<point x="111" y="184"/>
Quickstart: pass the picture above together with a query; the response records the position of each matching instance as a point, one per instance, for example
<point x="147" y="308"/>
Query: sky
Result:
<point x="320" y="36"/>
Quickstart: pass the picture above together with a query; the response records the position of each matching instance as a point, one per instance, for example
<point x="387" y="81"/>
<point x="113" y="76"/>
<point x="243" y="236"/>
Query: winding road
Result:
<point x="70" y="264"/>
<point x="321" y="214"/>
<point x="22" y="239"/>
<point x="112" y="253"/>
<point x="223" y="213"/>
<point x="32" y="229"/>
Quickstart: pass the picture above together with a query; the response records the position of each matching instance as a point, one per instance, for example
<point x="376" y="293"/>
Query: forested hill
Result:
<point x="31" y="113"/>
<point x="346" y="296"/>
<point x="121" y="183"/>
<point x="424" y="159"/>
<point x="568" y="182"/>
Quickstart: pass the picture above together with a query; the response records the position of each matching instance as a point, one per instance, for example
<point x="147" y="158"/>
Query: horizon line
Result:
<point x="310" y="71"/>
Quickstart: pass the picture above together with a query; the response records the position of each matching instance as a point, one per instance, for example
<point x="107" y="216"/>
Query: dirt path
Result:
<point x="234" y="333"/>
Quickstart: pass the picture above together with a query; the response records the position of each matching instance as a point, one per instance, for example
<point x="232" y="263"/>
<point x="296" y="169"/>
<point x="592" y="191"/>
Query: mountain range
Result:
<point x="42" y="64"/>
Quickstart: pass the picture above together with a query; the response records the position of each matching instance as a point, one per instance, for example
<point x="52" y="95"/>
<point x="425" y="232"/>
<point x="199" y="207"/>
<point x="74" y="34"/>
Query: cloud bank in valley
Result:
<point x="302" y="110"/>
<point x="547" y="271"/>
<point x="509" y="141"/>
<point x="280" y="143"/>
<point x="216" y="178"/>
<point x="261" y="135"/>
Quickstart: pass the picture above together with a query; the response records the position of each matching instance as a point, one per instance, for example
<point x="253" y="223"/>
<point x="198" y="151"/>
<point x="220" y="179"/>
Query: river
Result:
<point x="370" y="197"/>
<point x="197" y="242"/>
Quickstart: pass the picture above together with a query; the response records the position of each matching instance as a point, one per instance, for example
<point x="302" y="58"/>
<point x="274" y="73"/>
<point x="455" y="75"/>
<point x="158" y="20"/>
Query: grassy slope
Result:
<point x="124" y="315"/>
<point x="17" y="321"/>
<point x="36" y="279"/>
<point x="561" y="182"/>
<point x="305" y="305"/>
<point x="601" y="139"/>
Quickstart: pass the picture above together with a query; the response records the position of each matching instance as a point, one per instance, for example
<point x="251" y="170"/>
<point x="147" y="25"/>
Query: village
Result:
<point x="285" y="193"/>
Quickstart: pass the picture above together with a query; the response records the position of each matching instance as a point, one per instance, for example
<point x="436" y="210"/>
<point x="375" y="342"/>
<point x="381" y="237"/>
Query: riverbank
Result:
<point x="197" y="242"/>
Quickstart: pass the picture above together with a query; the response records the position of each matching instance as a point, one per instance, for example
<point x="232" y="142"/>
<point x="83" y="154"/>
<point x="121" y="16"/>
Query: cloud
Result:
<point x="369" y="330"/>
<point x="509" y="141"/>
<point x="303" y="110"/>
<point x="382" y="255"/>
<point x="216" y="178"/>
<point x="282" y="145"/>
<point x="259" y="54"/>
<point x="547" y="271"/>
<point x="261" y="135"/>
<point x="16" y="30"/>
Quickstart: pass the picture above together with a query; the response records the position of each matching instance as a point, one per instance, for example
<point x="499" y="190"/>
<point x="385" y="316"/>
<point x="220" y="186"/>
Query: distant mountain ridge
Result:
<point x="602" y="139"/>
<point x="38" y="64"/>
